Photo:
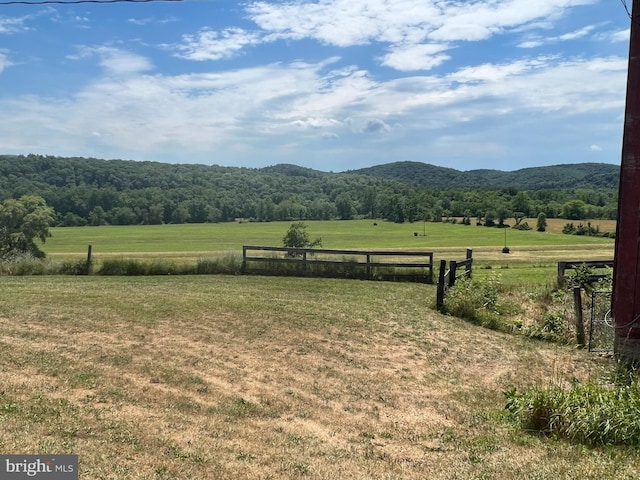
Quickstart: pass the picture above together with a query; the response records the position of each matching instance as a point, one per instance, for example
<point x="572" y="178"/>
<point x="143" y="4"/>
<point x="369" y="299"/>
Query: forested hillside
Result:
<point x="582" y="175"/>
<point x="92" y="191"/>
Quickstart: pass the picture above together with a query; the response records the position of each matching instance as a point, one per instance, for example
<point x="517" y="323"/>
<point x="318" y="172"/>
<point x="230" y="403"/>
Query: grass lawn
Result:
<point x="217" y="377"/>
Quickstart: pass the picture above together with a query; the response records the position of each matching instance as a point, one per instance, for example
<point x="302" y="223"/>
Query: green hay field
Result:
<point x="533" y="255"/>
<point x="353" y="234"/>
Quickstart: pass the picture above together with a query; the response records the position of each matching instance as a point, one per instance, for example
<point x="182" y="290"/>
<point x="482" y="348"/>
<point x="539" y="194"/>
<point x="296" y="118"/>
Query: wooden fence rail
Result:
<point x="572" y="265"/>
<point x="360" y="264"/>
<point x="447" y="278"/>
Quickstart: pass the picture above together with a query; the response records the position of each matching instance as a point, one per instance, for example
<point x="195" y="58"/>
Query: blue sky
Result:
<point x="327" y="84"/>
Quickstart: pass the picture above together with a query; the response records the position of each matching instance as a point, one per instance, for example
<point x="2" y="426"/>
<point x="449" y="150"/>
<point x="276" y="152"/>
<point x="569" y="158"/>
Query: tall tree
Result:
<point x="22" y="222"/>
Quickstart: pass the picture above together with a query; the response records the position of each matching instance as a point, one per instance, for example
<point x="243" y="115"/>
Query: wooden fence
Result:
<point x="592" y="264"/>
<point x="369" y="265"/>
<point x="447" y="278"/>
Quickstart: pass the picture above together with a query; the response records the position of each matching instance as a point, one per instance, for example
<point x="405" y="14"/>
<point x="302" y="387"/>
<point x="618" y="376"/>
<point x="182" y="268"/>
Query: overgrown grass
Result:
<point x="24" y="265"/>
<point x="478" y="301"/>
<point x="589" y="413"/>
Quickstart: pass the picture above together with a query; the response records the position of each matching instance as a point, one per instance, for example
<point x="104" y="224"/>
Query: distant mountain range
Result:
<point x="90" y="191"/>
<point x="579" y="175"/>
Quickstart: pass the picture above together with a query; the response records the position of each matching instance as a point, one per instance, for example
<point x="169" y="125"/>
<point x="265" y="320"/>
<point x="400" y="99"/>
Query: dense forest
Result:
<point x="88" y="191"/>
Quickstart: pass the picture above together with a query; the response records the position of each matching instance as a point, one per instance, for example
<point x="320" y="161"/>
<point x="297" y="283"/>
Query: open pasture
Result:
<point x="533" y="255"/>
<point x="350" y="234"/>
<point x="215" y="377"/>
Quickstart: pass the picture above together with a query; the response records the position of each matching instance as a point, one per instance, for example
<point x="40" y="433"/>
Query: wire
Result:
<point x="626" y="7"/>
<point x="611" y="325"/>
<point x="75" y="2"/>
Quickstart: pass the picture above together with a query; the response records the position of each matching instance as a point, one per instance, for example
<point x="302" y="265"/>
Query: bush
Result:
<point x="476" y="301"/>
<point x="522" y="226"/>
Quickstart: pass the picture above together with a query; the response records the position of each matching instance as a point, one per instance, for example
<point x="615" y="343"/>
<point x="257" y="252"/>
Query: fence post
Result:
<point x="577" y="301"/>
<point x="431" y="268"/>
<point x="469" y="263"/>
<point x="561" y="269"/>
<point x="441" y="285"/>
<point x="368" y="266"/>
<point x="87" y="267"/>
<point x="453" y="266"/>
<point x="243" y="268"/>
<point x="304" y="262"/>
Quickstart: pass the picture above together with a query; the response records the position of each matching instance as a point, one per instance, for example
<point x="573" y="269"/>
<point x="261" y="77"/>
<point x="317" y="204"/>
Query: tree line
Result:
<point x="86" y="191"/>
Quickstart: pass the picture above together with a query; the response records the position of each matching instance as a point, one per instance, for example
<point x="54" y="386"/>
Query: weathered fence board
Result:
<point x="571" y="265"/>
<point x="364" y="263"/>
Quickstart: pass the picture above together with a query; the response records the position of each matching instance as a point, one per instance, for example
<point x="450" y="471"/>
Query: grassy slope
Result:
<point x="250" y="377"/>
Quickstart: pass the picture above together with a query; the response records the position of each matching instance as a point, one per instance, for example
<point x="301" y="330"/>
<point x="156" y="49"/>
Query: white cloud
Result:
<point x="13" y="25"/>
<point x="494" y="73"/>
<point x="114" y="60"/>
<point x="595" y="148"/>
<point x="316" y="123"/>
<point x="375" y="126"/>
<point x="576" y="34"/>
<point x="418" y="32"/>
<point x="345" y="22"/>
<point x="201" y="112"/>
<point x="415" y="57"/>
<point x="152" y="21"/>
<point x="534" y="40"/>
<point x="531" y="44"/>
<point x="4" y="60"/>
<point x="620" y="35"/>
<point x="212" y="45"/>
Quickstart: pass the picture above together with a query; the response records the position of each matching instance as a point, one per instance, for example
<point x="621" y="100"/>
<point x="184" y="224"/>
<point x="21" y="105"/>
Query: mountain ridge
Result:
<point x="576" y="175"/>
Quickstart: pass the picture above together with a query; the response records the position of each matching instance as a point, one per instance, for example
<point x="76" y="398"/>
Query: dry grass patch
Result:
<point x="250" y="377"/>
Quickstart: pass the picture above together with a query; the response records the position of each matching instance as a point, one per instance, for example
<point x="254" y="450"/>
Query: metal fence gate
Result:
<point x="601" y="330"/>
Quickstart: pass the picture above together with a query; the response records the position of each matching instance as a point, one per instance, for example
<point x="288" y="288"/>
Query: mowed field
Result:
<point x="533" y="255"/>
<point x="249" y="377"/>
<point x="214" y="377"/>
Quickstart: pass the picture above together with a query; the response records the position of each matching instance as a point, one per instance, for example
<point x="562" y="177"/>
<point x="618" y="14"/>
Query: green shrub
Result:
<point x="476" y="301"/>
<point x="522" y="226"/>
<point x="554" y="328"/>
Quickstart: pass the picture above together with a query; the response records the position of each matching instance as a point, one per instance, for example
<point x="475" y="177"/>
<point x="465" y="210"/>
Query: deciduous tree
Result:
<point x="298" y="237"/>
<point x="22" y="222"/>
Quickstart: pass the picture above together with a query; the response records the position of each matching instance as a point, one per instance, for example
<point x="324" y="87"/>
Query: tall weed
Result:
<point x="135" y="267"/>
<point x="24" y="264"/>
<point x="229" y="264"/>
<point x="590" y="413"/>
<point x="476" y="301"/>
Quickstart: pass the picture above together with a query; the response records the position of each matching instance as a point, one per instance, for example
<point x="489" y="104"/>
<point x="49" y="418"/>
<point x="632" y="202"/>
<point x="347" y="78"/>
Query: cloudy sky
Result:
<point x="328" y="84"/>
